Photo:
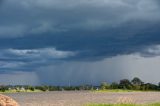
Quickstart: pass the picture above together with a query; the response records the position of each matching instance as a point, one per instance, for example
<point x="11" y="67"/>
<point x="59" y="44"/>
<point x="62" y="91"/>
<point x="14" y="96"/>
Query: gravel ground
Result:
<point x="79" y="98"/>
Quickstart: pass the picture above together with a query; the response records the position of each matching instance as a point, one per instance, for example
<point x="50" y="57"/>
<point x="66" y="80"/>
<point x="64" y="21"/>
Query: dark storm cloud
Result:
<point x="99" y="44"/>
<point x="37" y="33"/>
<point x="94" y="29"/>
<point x="27" y="17"/>
<point x="1" y="1"/>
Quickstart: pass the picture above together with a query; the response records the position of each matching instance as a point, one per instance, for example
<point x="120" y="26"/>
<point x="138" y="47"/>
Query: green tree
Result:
<point x="136" y="83"/>
<point x="114" y="85"/>
<point x="3" y="88"/>
<point x="104" y="86"/>
<point x="125" y="84"/>
<point x="159" y="86"/>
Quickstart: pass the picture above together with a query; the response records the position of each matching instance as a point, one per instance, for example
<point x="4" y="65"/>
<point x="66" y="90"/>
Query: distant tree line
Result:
<point x="135" y="84"/>
<point x="28" y="88"/>
<point x="125" y="84"/>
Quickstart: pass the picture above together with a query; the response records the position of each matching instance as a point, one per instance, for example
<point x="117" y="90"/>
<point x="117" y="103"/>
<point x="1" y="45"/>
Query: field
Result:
<point x="82" y="98"/>
<point x="155" y="104"/>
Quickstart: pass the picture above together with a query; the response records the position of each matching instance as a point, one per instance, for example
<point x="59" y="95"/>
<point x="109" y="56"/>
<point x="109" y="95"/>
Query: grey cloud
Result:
<point x="68" y="36"/>
<point x="6" y="64"/>
<point x="61" y="16"/>
<point x="29" y="59"/>
<point x="98" y="44"/>
<point x="34" y="53"/>
<point x="151" y="51"/>
<point x="12" y="31"/>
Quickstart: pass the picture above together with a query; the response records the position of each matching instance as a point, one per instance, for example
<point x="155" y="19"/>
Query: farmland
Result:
<point x="81" y="98"/>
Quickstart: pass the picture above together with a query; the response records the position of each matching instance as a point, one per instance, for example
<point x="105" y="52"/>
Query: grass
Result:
<point x="117" y="90"/>
<point x="122" y="90"/>
<point x="155" y="104"/>
<point x="17" y="91"/>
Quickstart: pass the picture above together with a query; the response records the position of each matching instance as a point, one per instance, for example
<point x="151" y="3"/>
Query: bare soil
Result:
<point x="79" y="98"/>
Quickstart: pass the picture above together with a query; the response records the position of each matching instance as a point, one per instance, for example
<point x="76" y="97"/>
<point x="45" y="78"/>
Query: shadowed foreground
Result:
<point x="79" y="98"/>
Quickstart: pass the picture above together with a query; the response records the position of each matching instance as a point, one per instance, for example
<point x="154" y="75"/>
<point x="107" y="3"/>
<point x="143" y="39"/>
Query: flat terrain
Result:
<point x="79" y="98"/>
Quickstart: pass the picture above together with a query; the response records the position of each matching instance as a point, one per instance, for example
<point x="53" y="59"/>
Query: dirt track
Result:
<point x="74" y="98"/>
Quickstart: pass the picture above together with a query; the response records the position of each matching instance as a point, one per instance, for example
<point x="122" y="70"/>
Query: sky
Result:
<point x="73" y="42"/>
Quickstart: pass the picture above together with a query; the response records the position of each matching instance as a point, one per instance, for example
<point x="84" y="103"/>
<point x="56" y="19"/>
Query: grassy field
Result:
<point x="121" y="90"/>
<point x="117" y="90"/>
<point x="17" y="91"/>
<point x="156" y="104"/>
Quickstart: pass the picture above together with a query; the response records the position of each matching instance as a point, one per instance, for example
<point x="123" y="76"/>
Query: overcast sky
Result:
<point x="61" y="42"/>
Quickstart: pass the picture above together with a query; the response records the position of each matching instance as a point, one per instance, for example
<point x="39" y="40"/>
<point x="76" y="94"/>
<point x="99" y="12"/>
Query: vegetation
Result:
<point x="135" y="84"/>
<point x="156" y="104"/>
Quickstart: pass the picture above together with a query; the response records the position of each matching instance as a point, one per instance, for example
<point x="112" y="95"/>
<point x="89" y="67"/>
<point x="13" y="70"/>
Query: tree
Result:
<point x="143" y="87"/>
<point x="104" y="86"/>
<point x="114" y="85"/>
<point x="149" y="86"/>
<point x="125" y="84"/>
<point x="159" y="86"/>
<point x="42" y="88"/>
<point x="3" y="88"/>
<point x="136" y="81"/>
<point x="27" y="87"/>
<point x="152" y="86"/>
